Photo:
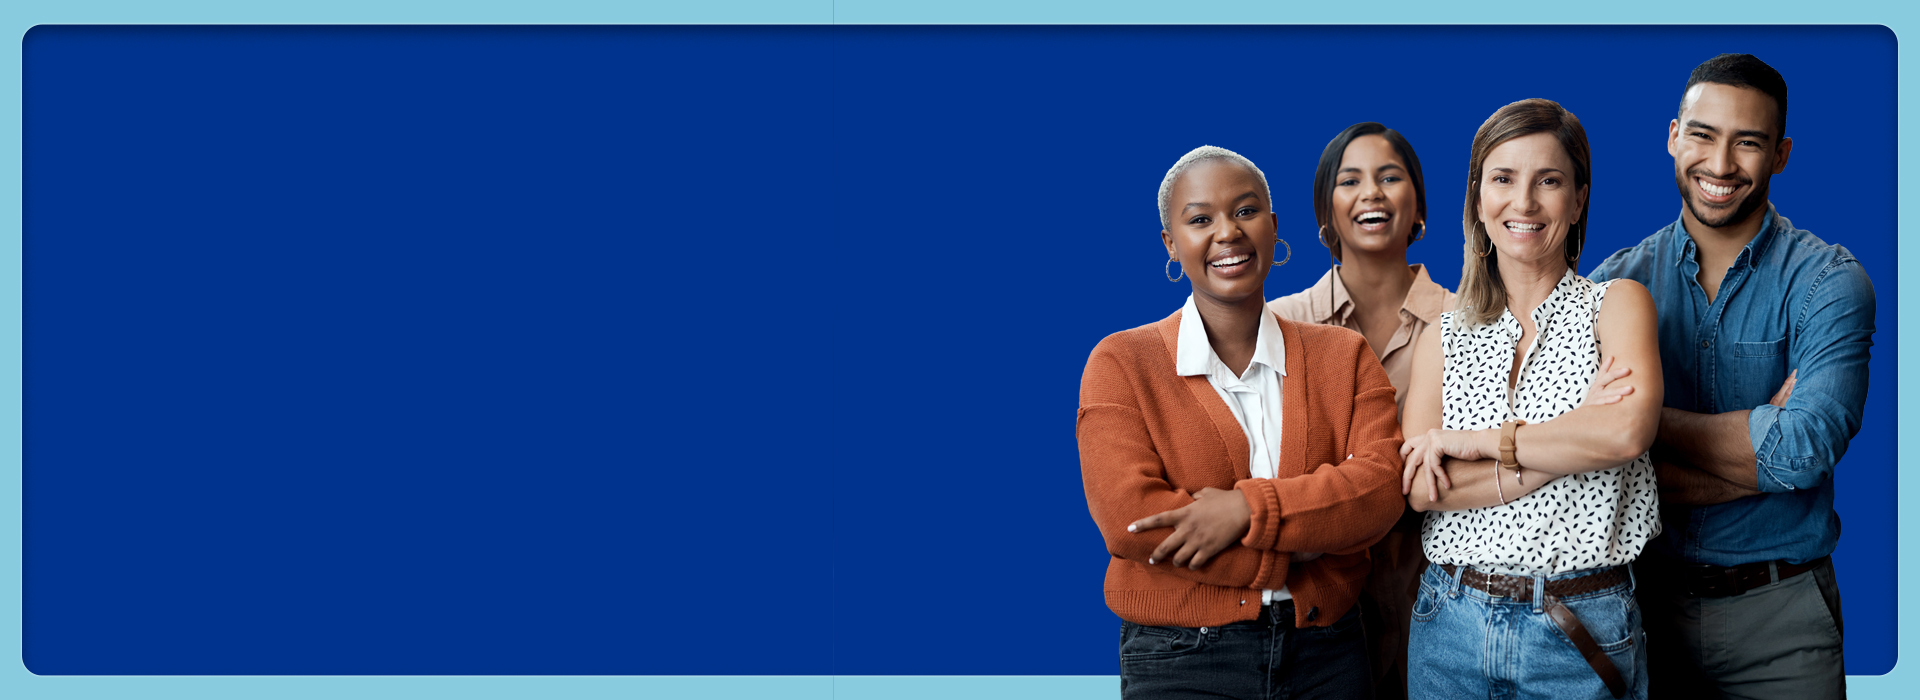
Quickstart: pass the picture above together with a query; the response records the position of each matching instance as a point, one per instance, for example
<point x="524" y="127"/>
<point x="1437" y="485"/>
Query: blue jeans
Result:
<point x="1261" y="658"/>
<point x="1468" y="644"/>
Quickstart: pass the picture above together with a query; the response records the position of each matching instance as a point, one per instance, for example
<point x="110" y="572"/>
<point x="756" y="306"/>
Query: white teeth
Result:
<point x="1235" y="260"/>
<point x="1372" y="216"/>
<point x="1524" y="228"/>
<point x="1714" y="190"/>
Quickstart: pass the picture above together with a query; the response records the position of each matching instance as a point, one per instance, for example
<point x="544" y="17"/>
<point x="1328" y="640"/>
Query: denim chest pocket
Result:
<point x="1754" y="370"/>
<point x="1760" y="348"/>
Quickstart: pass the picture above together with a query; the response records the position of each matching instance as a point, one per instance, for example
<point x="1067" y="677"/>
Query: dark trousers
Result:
<point x="1781" y="640"/>
<point x="1262" y="658"/>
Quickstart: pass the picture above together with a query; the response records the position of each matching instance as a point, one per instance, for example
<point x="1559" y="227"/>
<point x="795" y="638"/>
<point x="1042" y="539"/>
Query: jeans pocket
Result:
<point x="1147" y="642"/>
<point x="1427" y="605"/>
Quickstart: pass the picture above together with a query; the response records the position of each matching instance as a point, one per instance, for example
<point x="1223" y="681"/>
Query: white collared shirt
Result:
<point x="1253" y="395"/>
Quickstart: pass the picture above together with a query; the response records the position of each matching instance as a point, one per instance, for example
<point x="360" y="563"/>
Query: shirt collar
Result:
<point x="1193" y="355"/>
<point x="1330" y="302"/>
<point x="1685" y="249"/>
<point x="1426" y="299"/>
<point x="1328" y="299"/>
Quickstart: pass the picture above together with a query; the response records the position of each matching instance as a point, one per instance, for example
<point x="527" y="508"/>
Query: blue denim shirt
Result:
<point x="1790" y="301"/>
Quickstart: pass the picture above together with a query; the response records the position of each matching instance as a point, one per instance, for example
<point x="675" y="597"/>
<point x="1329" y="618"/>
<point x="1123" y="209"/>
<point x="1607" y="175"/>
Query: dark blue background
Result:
<point x="717" y="350"/>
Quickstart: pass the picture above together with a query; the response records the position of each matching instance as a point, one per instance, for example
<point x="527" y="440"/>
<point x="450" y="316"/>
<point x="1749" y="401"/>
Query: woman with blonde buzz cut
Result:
<point x="1237" y="464"/>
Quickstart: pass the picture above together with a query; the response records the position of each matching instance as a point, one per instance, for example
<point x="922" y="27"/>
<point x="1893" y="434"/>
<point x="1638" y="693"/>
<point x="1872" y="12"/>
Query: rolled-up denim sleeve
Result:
<point x="1796" y="446"/>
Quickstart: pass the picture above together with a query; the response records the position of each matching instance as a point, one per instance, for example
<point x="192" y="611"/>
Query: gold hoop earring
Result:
<point x="1573" y="258"/>
<point x="1169" y="268"/>
<point x="1289" y="246"/>
<point x="1332" y="245"/>
<point x="1417" y="235"/>
<point x="1476" y="249"/>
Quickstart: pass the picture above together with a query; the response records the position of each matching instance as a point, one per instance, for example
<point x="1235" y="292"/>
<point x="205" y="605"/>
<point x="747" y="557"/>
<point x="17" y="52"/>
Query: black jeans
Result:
<point x="1262" y="658"/>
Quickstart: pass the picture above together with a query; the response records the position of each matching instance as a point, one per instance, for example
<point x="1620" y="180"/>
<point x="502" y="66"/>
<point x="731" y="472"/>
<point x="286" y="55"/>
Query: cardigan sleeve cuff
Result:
<point x="1263" y="528"/>
<point x="1273" y="570"/>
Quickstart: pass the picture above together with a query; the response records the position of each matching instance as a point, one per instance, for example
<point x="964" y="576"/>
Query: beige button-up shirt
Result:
<point x="1327" y="302"/>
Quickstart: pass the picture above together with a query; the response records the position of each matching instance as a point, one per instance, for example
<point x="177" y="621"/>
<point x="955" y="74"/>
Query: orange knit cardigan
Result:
<point x="1149" y="438"/>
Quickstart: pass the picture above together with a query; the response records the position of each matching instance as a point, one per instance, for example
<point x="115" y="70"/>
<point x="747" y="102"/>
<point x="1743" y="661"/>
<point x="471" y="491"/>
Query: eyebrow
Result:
<point x="1750" y="133"/>
<point x="1383" y="168"/>
<point x="1536" y="172"/>
<point x="1250" y="193"/>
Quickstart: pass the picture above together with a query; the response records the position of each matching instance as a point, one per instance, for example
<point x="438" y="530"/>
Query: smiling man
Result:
<point x="1764" y="338"/>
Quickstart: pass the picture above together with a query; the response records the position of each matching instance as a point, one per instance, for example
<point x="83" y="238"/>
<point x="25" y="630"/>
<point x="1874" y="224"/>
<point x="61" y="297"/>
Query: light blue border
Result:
<point x="16" y="16"/>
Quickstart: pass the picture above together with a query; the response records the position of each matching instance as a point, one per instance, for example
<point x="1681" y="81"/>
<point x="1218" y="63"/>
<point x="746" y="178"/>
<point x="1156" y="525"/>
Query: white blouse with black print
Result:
<point x="1577" y="522"/>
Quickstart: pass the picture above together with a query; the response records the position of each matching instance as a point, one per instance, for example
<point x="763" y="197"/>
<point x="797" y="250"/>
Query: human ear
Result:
<point x="1673" y="138"/>
<point x="1780" y="155"/>
<point x="1166" y="239"/>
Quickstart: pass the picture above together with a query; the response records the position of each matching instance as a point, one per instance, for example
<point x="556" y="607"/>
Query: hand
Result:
<point x="1786" y="391"/>
<point x="1217" y="519"/>
<point x="1424" y="454"/>
<point x="1598" y="394"/>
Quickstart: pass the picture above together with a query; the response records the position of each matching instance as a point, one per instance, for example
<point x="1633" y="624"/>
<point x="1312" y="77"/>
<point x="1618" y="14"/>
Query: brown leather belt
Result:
<point x="1520" y="589"/>
<point x="1707" y="581"/>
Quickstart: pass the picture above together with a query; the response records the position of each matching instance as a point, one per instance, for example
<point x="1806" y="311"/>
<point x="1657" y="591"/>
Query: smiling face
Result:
<point x="1374" y="207"/>
<point x="1725" y="150"/>
<point x="1221" y="229"/>
<point x="1528" y="200"/>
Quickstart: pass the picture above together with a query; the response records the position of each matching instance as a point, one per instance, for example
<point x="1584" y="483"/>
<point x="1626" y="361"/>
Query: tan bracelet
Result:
<point x="1507" y="460"/>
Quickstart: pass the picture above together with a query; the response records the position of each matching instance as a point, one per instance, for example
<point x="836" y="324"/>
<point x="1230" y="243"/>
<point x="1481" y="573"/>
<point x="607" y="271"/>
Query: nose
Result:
<point x="1525" y="199"/>
<point x="1230" y="229"/>
<point x="1721" y="163"/>
<point x="1370" y="191"/>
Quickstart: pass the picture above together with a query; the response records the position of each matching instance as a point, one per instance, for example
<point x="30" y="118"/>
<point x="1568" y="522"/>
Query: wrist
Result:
<point x="1487" y="443"/>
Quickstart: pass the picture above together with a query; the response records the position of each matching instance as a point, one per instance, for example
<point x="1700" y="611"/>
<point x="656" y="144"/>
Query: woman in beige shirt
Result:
<point x="1371" y="204"/>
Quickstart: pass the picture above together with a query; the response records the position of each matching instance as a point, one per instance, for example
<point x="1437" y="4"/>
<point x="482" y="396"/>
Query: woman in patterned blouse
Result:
<point x="1538" y="489"/>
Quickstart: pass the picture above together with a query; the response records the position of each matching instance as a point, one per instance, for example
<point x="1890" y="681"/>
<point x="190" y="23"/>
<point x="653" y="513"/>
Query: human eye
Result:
<point x="1349" y="182"/>
<point x="1200" y="220"/>
<point x="1550" y="181"/>
<point x="1248" y="211"/>
<point x="1390" y="178"/>
<point x="1498" y="179"/>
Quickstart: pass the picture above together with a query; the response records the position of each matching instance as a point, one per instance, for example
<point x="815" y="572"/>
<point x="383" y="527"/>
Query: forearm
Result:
<point x="1716" y="445"/>
<point x="1585" y="439"/>
<point x="1475" y="485"/>
<point x="1682" y="485"/>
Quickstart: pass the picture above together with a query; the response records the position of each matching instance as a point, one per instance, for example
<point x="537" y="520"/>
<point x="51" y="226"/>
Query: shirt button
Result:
<point x="1313" y="613"/>
<point x="1706" y="343"/>
<point x="1243" y="602"/>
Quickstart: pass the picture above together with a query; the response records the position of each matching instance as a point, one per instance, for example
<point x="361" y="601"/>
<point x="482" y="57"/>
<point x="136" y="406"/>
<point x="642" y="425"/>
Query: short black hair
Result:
<point x="1325" y="178"/>
<point x="1742" y="70"/>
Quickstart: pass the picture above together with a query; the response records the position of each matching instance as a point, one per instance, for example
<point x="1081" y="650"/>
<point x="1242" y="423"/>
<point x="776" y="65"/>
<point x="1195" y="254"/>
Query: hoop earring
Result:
<point x="1573" y="258"/>
<point x="1417" y="235"/>
<point x="1169" y="268"/>
<point x="1476" y="249"/>
<point x="1289" y="246"/>
<point x="1332" y="246"/>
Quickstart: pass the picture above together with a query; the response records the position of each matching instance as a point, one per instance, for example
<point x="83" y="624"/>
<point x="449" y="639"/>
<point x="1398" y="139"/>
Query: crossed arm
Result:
<point x="1794" y="440"/>
<point x="1610" y="428"/>
<point x="1336" y="508"/>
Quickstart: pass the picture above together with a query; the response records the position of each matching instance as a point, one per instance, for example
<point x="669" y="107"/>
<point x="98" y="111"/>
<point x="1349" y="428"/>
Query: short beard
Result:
<point x="1755" y="199"/>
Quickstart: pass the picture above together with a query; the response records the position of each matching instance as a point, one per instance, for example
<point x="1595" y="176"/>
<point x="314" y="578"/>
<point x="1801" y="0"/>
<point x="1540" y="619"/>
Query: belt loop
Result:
<point x="1633" y="584"/>
<point x="1458" y="571"/>
<point x="1539" y="594"/>
<point x="1773" y="571"/>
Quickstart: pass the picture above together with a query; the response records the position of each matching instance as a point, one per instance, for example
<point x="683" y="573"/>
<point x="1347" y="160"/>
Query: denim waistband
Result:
<point x="1452" y="587"/>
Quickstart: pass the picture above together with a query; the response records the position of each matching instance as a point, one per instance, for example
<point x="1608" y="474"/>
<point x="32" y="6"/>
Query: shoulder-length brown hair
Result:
<point x="1482" y="294"/>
